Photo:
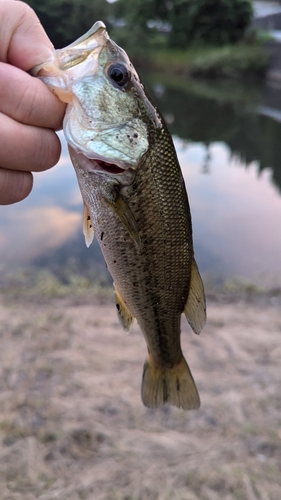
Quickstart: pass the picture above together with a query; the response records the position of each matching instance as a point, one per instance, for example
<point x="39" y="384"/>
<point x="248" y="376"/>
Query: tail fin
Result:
<point x="169" y="385"/>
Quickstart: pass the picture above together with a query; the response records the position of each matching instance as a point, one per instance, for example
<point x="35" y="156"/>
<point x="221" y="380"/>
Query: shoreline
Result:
<point x="40" y="285"/>
<point x="73" y="426"/>
<point x="241" y="61"/>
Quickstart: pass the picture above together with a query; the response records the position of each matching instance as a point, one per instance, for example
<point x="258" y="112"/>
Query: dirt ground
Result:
<point x="72" y="425"/>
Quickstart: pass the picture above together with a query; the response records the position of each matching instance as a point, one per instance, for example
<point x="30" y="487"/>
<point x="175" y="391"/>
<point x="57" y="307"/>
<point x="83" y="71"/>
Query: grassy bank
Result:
<point x="231" y="61"/>
<point x="72" y="425"/>
<point x="39" y="286"/>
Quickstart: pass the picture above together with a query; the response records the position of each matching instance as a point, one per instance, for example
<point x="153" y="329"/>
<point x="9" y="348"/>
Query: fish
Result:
<point x="135" y="203"/>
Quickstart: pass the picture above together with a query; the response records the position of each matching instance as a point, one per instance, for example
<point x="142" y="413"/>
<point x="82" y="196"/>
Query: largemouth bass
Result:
<point x="135" y="202"/>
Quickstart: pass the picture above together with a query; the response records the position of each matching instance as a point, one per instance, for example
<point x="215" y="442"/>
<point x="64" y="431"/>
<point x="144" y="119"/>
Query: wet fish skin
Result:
<point x="141" y="217"/>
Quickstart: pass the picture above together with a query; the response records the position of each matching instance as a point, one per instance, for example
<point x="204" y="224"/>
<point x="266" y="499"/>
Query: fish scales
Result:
<point x="154" y="289"/>
<point x="138" y="208"/>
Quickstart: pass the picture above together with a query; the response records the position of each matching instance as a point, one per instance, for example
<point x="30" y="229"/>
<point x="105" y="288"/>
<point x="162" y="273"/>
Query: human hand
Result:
<point x="29" y="112"/>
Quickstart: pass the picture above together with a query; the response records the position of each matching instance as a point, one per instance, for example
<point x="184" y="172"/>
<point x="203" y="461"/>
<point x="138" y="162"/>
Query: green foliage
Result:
<point x="140" y="26"/>
<point x="237" y="61"/>
<point x="147" y="23"/>
<point x="66" y="20"/>
<point x="190" y="21"/>
<point x="136" y="34"/>
<point x="209" y="21"/>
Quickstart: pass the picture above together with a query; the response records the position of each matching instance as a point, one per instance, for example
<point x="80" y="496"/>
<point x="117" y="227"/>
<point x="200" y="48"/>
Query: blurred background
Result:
<point x="72" y="425"/>
<point x="211" y="67"/>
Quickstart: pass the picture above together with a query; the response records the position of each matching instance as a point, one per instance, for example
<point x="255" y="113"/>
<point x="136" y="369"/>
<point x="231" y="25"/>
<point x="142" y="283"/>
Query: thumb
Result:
<point x="24" y="42"/>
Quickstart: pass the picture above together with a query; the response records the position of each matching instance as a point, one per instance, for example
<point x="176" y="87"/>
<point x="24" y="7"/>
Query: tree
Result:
<point x="66" y="20"/>
<point x="209" y="21"/>
<point x="142" y="22"/>
<point x="139" y="20"/>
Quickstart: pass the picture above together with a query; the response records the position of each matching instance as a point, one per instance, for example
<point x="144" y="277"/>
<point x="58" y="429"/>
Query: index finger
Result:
<point x="24" y="42"/>
<point x="27" y="100"/>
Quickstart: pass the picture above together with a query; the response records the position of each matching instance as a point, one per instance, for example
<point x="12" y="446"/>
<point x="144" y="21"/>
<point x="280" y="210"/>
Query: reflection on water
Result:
<point x="226" y="113"/>
<point x="229" y="155"/>
<point x="235" y="215"/>
<point x="42" y="222"/>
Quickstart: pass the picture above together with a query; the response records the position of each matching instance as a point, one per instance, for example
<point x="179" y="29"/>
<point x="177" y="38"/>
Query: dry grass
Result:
<point x="72" y="425"/>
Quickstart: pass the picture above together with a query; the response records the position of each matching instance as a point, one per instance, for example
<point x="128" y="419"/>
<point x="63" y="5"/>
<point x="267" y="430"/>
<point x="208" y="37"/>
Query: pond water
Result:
<point x="228" y="139"/>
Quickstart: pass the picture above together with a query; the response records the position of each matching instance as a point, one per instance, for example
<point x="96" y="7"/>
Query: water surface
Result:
<point x="228" y="141"/>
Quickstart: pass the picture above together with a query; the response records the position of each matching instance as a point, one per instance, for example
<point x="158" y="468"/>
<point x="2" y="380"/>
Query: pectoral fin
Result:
<point x="87" y="226"/>
<point x="125" y="317"/>
<point x="195" y="307"/>
<point x="125" y="214"/>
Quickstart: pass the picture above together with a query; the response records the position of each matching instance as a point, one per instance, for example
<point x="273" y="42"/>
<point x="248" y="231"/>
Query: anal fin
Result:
<point x="88" y="230"/>
<point x="195" y="307"/>
<point x="125" y="317"/>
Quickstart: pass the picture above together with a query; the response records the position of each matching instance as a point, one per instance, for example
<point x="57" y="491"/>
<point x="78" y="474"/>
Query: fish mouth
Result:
<point x="100" y="166"/>
<point x="110" y="168"/>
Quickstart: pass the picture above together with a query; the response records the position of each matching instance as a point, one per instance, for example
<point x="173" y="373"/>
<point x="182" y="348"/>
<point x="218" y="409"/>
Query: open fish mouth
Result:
<point x="110" y="168"/>
<point x="102" y="166"/>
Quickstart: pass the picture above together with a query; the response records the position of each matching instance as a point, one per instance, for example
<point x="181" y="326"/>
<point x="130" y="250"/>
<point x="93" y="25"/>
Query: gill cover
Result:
<point x="108" y="111"/>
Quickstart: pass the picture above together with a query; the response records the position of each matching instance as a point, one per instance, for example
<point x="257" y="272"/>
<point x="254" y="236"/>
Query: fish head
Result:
<point x="109" y="118"/>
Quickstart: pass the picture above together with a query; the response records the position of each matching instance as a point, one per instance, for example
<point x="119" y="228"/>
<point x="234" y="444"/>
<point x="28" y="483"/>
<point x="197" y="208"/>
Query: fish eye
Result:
<point x="119" y="74"/>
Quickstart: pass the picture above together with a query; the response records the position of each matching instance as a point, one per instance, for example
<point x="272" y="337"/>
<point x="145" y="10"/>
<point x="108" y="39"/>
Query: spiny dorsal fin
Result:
<point x="125" y="317"/>
<point x="88" y="230"/>
<point x="195" y="307"/>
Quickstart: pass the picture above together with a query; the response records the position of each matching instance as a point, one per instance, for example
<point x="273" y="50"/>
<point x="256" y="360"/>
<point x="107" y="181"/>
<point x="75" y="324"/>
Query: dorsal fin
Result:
<point x="195" y="307"/>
